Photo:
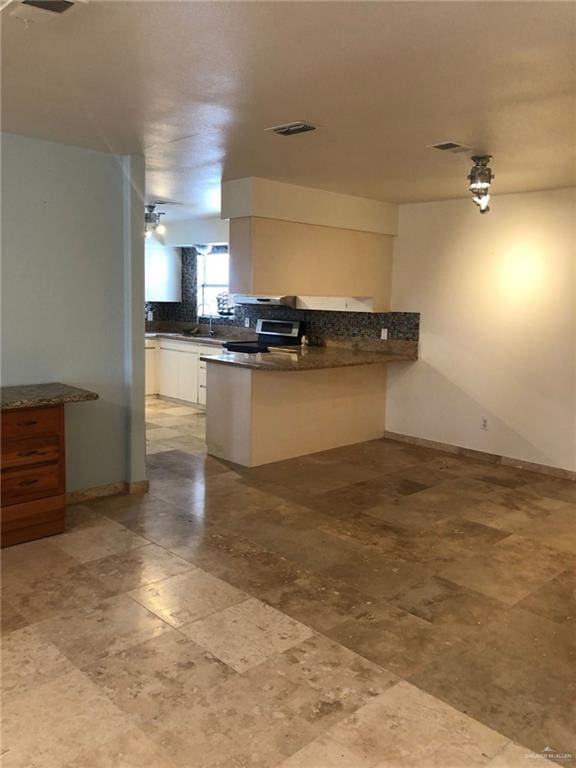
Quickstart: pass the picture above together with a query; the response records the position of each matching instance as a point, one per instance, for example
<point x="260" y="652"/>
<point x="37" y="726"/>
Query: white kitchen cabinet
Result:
<point x="188" y="376"/>
<point x="151" y="384"/>
<point x="168" y="373"/>
<point x="179" y="371"/>
<point x="202" y="383"/>
<point x="163" y="272"/>
<point x="336" y="303"/>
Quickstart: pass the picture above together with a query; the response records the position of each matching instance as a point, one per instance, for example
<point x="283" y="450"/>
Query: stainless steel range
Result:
<point x="271" y="333"/>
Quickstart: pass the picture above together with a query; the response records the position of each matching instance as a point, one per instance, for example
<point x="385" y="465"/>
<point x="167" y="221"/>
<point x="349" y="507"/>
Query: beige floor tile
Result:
<point x="177" y="421"/>
<point x="157" y="447"/>
<point x="229" y="726"/>
<point x="150" y="679"/>
<point x="135" y="568"/>
<point x="50" y="595"/>
<point x="320" y="681"/>
<point x="28" y="661"/>
<point x="247" y="634"/>
<point x="98" y="541"/>
<point x="407" y="728"/>
<point x="26" y="563"/>
<point x="187" y="597"/>
<point x="11" y="620"/>
<point x="515" y="756"/>
<point x="557" y="530"/>
<point x="184" y="410"/>
<point x="130" y="750"/>
<point x="507" y="518"/>
<point x="508" y="571"/>
<point x="395" y="639"/>
<point x="326" y="753"/>
<point x="110" y="626"/>
<point x="164" y="434"/>
<point x="49" y="725"/>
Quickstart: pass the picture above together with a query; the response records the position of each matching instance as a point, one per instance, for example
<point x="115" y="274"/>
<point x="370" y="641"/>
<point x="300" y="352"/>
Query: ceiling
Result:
<point x="193" y="85"/>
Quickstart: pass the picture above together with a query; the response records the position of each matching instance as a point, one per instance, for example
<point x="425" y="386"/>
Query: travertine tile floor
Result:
<point x="376" y="606"/>
<point x="171" y="425"/>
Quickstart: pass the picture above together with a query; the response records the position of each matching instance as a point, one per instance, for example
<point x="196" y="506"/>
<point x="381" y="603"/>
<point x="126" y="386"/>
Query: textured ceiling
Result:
<point x="193" y="85"/>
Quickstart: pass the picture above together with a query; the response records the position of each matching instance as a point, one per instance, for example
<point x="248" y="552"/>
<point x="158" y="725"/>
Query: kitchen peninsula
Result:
<point x="281" y="404"/>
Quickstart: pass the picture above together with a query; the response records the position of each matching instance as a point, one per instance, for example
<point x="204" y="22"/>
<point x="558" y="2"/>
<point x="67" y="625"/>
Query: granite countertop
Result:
<point x="307" y="358"/>
<point x="32" y="395"/>
<point x="214" y="341"/>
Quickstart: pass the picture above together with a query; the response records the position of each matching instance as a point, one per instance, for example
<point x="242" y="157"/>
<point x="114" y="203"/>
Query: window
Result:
<point x="212" y="279"/>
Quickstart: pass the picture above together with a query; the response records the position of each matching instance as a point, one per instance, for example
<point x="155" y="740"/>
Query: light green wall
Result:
<point x="72" y="277"/>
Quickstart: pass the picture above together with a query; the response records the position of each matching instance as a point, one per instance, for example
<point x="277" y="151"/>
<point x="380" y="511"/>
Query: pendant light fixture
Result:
<point x="480" y="178"/>
<point x="152" y="222"/>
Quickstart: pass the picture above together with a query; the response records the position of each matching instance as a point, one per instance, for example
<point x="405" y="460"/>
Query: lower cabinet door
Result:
<point x="202" y="395"/>
<point x="188" y="377"/>
<point x="168" y="373"/>
<point x="150" y="381"/>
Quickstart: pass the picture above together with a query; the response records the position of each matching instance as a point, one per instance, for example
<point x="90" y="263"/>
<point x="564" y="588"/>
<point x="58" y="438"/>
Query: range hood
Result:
<point x="264" y="300"/>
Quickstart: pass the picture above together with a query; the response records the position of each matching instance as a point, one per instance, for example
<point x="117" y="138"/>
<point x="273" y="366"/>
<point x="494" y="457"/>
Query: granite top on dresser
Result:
<point x="308" y="358"/>
<point x="34" y="395"/>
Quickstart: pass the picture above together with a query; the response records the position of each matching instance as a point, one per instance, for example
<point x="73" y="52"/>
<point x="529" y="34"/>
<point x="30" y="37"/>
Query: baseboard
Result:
<point x="142" y="486"/>
<point x="491" y="458"/>
<point x="101" y="491"/>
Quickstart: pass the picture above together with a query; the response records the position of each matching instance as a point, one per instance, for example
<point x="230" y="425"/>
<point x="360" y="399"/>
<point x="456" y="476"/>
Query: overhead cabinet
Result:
<point x="325" y="267"/>
<point x="163" y="272"/>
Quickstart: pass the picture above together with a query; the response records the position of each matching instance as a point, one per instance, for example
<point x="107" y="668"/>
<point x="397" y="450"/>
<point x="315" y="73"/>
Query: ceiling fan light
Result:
<point x="480" y="178"/>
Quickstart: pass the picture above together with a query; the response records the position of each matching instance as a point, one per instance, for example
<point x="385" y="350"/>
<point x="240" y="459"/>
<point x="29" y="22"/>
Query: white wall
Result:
<point x="73" y="295"/>
<point x="269" y="199"/>
<point x="497" y="296"/>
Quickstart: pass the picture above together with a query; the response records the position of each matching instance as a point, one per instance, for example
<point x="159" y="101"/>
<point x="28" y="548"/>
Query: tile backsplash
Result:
<point x="319" y="323"/>
<point x="402" y="326"/>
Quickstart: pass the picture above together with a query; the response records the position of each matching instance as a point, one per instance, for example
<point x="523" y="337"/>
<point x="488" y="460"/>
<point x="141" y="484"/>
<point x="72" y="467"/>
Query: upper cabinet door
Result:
<point x="163" y="272"/>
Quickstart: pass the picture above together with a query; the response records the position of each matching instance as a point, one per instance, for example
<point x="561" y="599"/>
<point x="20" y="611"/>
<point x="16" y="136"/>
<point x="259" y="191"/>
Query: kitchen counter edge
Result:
<point x="308" y="360"/>
<point x="38" y="395"/>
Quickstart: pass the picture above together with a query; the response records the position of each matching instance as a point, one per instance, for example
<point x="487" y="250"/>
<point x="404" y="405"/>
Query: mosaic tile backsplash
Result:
<point x="403" y="326"/>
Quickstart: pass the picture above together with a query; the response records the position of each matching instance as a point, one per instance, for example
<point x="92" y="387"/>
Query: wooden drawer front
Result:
<point x="32" y="513"/>
<point x="32" y="482"/>
<point x="33" y="450"/>
<point x="32" y="422"/>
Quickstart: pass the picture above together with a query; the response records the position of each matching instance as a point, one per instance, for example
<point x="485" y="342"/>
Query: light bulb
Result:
<point x="161" y="229"/>
<point x="482" y="201"/>
<point x="148" y="234"/>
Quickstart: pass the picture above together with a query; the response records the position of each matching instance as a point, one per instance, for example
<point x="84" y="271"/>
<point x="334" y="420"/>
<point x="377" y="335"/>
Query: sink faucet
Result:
<point x="210" y="331"/>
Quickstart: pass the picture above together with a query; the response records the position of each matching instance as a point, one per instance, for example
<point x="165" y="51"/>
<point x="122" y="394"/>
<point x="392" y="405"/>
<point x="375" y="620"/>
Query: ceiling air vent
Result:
<point x="452" y="146"/>
<point x="291" y="129"/>
<point x="54" y="6"/>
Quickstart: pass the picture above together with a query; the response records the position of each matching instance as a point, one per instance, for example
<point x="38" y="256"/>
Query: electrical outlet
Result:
<point x="484" y="425"/>
<point x="246" y="322"/>
<point x="384" y="333"/>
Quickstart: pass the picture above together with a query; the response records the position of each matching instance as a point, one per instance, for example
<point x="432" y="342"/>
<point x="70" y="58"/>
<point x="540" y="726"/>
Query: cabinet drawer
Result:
<point x="31" y="450"/>
<point x="32" y="482"/>
<point x="32" y="513"/>
<point x="31" y="422"/>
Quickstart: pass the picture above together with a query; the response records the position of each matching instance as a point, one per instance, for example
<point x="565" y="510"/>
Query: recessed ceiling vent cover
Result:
<point x="451" y="146"/>
<point x="291" y="129"/>
<point x="54" y="6"/>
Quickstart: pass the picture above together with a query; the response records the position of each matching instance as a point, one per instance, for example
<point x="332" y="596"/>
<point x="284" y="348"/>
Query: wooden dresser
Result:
<point x="33" y="480"/>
